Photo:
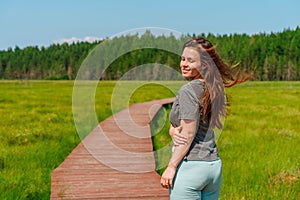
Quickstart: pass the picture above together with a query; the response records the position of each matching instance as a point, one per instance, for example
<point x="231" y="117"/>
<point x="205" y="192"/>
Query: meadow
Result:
<point x="258" y="145"/>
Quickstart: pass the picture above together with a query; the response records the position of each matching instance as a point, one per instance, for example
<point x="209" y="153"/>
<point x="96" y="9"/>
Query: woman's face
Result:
<point x="190" y="63"/>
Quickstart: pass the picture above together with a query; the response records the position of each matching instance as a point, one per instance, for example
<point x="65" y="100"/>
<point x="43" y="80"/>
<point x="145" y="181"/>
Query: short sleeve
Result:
<point x="188" y="103"/>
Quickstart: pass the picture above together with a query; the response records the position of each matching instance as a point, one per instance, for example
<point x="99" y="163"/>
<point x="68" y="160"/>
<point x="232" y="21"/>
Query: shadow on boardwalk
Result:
<point x="115" y="161"/>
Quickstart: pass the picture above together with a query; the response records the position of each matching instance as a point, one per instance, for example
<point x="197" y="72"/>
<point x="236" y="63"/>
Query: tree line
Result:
<point x="275" y="56"/>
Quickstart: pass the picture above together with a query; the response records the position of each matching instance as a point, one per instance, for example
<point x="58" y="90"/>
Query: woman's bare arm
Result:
<point x="177" y="137"/>
<point x="188" y="130"/>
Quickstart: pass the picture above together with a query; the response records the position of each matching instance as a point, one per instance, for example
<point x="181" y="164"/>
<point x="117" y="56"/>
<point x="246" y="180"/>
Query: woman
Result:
<point x="195" y="168"/>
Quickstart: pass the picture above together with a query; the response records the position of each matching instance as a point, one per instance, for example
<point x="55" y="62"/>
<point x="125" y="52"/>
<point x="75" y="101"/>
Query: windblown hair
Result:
<point x="217" y="75"/>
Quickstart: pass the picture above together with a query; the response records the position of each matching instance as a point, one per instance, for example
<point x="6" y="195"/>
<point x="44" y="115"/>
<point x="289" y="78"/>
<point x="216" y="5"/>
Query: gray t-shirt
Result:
<point x="187" y="106"/>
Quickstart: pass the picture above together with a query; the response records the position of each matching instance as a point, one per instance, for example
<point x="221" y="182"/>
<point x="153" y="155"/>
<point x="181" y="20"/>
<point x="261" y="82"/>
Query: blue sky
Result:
<point x="44" y="22"/>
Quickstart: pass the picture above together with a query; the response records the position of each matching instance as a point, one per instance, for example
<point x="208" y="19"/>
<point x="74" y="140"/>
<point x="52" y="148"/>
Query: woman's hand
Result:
<point x="185" y="135"/>
<point x="167" y="177"/>
<point x="177" y="137"/>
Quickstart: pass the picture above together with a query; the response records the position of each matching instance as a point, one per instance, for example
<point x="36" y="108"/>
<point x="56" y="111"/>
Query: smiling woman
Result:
<point x="190" y="64"/>
<point x="197" y="110"/>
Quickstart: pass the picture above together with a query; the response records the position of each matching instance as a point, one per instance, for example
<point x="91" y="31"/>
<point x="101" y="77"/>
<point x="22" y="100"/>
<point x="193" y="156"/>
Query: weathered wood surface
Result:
<point x="115" y="161"/>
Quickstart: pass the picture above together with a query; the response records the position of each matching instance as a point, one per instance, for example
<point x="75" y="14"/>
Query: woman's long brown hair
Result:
<point x="217" y="75"/>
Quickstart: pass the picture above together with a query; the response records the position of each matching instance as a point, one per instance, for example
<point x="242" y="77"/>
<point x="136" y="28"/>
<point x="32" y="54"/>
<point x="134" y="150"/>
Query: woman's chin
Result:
<point x="185" y="76"/>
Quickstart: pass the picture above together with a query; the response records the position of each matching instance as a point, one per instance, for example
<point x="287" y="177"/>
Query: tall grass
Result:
<point x="258" y="145"/>
<point x="37" y="130"/>
<point x="36" y="134"/>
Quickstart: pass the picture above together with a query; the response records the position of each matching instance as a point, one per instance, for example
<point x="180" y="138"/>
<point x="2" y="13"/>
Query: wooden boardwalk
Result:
<point x="115" y="161"/>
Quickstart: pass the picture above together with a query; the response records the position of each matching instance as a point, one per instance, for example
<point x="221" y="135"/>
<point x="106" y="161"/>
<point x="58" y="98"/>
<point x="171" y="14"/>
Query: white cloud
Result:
<point x="75" y="39"/>
<point x="91" y="39"/>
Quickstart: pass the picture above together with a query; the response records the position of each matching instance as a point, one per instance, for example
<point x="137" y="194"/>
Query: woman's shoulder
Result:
<point x="197" y="83"/>
<point x="193" y="84"/>
<point x="194" y="87"/>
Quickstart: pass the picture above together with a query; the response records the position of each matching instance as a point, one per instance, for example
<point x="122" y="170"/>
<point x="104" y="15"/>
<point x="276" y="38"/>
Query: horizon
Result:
<point x="92" y="39"/>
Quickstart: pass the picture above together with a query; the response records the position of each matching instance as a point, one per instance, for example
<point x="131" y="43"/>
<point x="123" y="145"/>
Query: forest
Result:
<point x="274" y="55"/>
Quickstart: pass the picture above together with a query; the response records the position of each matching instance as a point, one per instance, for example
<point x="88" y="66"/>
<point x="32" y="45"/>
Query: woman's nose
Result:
<point x="184" y="63"/>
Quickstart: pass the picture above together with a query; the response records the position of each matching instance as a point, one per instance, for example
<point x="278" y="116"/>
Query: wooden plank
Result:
<point x="115" y="161"/>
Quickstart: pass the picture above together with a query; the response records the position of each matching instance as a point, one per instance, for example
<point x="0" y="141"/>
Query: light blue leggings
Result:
<point x="199" y="180"/>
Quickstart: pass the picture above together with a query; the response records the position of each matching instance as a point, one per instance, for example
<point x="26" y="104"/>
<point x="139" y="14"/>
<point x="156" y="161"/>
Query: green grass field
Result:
<point x="258" y="145"/>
